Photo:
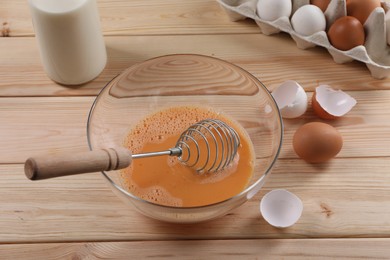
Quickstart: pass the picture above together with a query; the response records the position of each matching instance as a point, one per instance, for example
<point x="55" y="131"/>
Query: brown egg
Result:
<point x="346" y="33"/>
<point x="322" y="4"/>
<point x="317" y="142"/>
<point x="361" y="9"/>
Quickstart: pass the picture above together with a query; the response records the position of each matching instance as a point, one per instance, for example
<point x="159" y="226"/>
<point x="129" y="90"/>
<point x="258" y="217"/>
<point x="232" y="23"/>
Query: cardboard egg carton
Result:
<point x="375" y="53"/>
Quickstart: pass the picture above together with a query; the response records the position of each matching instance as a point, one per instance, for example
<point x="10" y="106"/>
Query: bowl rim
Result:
<point x="246" y="190"/>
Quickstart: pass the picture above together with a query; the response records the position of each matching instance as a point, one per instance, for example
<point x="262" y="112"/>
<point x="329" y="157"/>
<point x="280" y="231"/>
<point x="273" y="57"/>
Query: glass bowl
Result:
<point x="186" y="80"/>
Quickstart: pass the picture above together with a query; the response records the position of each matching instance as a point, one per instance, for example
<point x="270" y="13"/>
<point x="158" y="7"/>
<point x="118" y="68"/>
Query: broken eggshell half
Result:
<point x="328" y="103"/>
<point x="291" y="99"/>
<point x="281" y="208"/>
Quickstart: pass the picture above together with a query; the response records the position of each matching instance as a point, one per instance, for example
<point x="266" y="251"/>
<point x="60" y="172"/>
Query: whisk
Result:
<point x="207" y="146"/>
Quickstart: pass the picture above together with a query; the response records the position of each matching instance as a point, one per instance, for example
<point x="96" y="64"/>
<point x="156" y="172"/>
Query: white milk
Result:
<point x="69" y="38"/>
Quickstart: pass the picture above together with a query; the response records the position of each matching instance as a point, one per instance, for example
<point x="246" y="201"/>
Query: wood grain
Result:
<point x="271" y="59"/>
<point x="210" y="249"/>
<point x="338" y="203"/>
<point x="28" y="129"/>
<point x="47" y="125"/>
<point x="137" y="17"/>
<point x="346" y="201"/>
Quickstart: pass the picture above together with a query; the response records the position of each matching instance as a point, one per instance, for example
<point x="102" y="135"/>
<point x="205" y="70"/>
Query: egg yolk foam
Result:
<point x="166" y="181"/>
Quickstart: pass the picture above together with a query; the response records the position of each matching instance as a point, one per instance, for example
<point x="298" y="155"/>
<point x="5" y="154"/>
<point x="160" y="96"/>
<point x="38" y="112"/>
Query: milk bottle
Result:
<point x="69" y="38"/>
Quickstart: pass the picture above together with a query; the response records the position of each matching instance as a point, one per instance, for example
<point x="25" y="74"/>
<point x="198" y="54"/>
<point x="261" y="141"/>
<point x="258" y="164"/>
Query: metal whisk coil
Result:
<point x="208" y="146"/>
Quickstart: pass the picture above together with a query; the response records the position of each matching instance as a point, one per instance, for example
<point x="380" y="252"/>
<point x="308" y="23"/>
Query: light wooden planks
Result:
<point x="347" y="197"/>
<point x="32" y="126"/>
<point x="210" y="249"/>
<point x="138" y="17"/>
<point x="38" y="125"/>
<point x="153" y="17"/>
<point x="338" y="202"/>
<point x="271" y="59"/>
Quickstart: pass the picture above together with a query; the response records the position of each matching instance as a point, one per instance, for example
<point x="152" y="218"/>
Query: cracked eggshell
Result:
<point x="328" y="103"/>
<point x="281" y="208"/>
<point x="291" y="99"/>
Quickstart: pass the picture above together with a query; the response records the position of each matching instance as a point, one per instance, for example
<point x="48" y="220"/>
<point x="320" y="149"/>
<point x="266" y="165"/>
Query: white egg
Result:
<point x="308" y="19"/>
<point x="281" y="208"/>
<point x="271" y="10"/>
<point x="291" y="99"/>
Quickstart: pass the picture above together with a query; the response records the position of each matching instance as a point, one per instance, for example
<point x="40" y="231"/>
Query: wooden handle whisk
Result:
<point x="45" y="167"/>
<point x="193" y="149"/>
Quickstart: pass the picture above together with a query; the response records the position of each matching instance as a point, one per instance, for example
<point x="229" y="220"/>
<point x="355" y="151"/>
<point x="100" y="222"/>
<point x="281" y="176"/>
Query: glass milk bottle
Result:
<point x="69" y="39"/>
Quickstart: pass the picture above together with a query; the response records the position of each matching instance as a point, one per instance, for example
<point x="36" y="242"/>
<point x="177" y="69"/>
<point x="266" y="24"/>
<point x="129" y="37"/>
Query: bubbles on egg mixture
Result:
<point x="157" y="127"/>
<point x="158" y="195"/>
<point x="172" y="161"/>
<point x="165" y="187"/>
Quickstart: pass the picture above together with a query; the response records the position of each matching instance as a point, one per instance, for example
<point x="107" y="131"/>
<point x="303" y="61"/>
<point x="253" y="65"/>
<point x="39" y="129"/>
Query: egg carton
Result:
<point x="375" y="53"/>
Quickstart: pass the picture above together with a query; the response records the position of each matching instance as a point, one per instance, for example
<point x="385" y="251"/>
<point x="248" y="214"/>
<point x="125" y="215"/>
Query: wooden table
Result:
<point x="346" y="201"/>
